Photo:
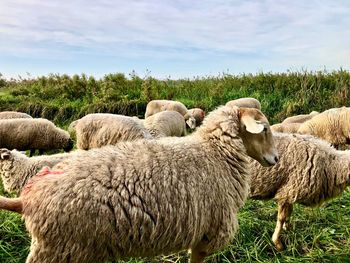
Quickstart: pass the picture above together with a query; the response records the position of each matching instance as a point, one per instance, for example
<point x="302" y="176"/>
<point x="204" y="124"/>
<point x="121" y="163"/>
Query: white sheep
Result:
<point x="198" y="114"/>
<point x="147" y="197"/>
<point x="13" y="115"/>
<point x="331" y="125"/>
<point x="309" y="172"/>
<point x="155" y="106"/>
<point x="100" y="129"/>
<point x="25" y="134"/>
<point x="166" y="123"/>
<point x="245" y="102"/>
<point x="16" y="168"/>
<point x="300" y="118"/>
<point x="291" y="127"/>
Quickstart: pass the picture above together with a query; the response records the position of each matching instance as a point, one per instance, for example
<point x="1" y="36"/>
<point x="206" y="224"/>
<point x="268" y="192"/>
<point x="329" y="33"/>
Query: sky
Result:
<point x="172" y="38"/>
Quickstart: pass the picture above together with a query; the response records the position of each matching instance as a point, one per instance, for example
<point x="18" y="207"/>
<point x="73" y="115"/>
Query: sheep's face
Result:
<point x="6" y="165"/>
<point x="257" y="137"/>
<point x="191" y="122"/>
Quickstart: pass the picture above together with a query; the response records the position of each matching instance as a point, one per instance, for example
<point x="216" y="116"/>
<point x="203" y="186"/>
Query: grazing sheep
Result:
<point x="309" y="172"/>
<point x="331" y="125"/>
<point x="16" y="168"/>
<point x="25" y="134"/>
<point x="100" y="129"/>
<point x="245" y="102"/>
<point x="13" y="115"/>
<point x="286" y="127"/>
<point x="198" y="114"/>
<point x="166" y="123"/>
<point x="147" y="197"/>
<point x="300" y="118"/>
<point x="155" y="106"/>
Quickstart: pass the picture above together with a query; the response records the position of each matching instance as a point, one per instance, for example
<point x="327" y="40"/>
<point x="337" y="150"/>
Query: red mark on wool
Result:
<point x="43" y="172"/>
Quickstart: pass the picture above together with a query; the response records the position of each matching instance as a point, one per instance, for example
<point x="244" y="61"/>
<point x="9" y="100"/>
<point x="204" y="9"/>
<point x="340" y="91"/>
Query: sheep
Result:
<point x="100" y="129"/>
<point x="309" y="172"/>
<point x="198" y="114"/>
<point x="166" y="123"/>
<point x="16" y="168"/>
<point x="300" y="118"/>
<point x="331" y="125"/>
<point x="286" y="127"/>
<point x="147" y="197"/>
<point x="245" y="102"/>
<point x="155" y="106"/>
<point x="13" y="115"/>
<point x="24" y="134"/>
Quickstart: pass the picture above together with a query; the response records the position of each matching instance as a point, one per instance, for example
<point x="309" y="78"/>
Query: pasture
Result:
<point x="319" y="234"/>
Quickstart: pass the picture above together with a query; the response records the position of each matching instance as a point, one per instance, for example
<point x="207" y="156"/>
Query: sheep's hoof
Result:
<point x="278" y="244"/>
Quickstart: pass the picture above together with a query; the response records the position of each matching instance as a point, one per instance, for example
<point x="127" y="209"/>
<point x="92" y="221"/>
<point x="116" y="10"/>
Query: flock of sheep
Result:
<point x="141" y="188"/>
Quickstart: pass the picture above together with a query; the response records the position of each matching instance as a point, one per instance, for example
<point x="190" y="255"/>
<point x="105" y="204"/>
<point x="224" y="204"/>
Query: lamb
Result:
<point x="147" y="197"/>
<point x="100" y="129"/>
<point x="331" y="125"/>
<point x="309" y="172"/>
<point x="166" y="123"/>
<point x="286" y="127"/>
<point x="155" y="106"/>
<point x="198" y="114"/>
<point x="300" y="118"/>
<point x="25" y="134"/>
<point x="13" y="115"/>
<point x="245" y="102"/>
<point x="16" y="168"/>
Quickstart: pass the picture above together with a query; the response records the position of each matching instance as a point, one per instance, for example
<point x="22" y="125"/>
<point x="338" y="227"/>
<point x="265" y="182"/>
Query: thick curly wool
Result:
<point x="331" y="125"/>
<point x="25" y="134"/>
<point x="142" y="198"/>
<point x="13" y="115"/>
<point x="16" y="168"/>
<point x="166" y="123"/>
<point x="100" y="129"/>
<point x="309" y="172"/>
<point x="245" y="102"/>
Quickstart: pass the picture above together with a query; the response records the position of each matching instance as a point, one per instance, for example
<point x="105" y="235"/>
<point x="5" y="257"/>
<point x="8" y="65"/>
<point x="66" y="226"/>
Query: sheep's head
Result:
<point x="257" y="137"/>
<point x="6" y="166"/>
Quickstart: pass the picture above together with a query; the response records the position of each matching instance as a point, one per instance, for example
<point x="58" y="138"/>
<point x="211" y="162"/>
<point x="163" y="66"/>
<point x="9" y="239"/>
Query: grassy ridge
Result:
<point x="317" y="235"/>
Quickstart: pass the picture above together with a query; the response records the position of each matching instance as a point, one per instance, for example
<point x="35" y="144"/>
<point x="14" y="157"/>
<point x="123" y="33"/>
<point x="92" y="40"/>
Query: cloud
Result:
<point x="254" y="31"/>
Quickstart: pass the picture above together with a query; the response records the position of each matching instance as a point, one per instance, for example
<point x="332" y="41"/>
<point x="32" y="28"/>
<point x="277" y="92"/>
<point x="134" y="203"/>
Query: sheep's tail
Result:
<point x="11" y="204"/>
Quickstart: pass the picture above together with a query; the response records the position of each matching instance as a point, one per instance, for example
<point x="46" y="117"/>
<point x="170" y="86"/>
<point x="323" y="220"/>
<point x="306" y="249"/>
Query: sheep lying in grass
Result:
<point x="13" y="115"/>
<point x="147" y="197"/>
<point x="286" y="127"/>
<point x="166" y="123"/>
<point x="155" y="106"/>
<point x="100" y="129"/>
<point x="245" y="102"/>
<point x="16" y="168"/>
<point x="300" y="118"/>
<point x="309" y="172"/>
<point x="331" y="125"/>
<point x="25" y="134"/>
<point x="198" y="114"/>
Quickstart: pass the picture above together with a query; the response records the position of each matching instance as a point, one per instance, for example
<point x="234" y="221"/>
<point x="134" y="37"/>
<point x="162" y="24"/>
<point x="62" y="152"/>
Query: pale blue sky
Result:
<point x="178" y="38"/>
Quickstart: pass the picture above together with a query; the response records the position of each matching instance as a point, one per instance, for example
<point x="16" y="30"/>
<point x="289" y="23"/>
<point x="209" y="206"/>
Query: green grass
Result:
<point x="317" y="235"/>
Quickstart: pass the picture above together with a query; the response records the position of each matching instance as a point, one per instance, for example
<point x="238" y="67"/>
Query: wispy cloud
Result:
<point x="275" y="35"/>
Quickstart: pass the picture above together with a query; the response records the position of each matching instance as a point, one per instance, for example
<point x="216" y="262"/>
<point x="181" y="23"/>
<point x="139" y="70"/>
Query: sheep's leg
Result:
<point x="41" y="151"/>
<point x="289" y="210"/>
<point x="199" y="252"/>
<point x="284" y="211"/>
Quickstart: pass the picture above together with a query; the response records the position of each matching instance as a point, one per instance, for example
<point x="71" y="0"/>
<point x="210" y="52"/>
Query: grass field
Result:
<point x="317" y="234"/>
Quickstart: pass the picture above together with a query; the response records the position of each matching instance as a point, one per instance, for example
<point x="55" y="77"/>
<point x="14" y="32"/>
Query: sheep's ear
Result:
<point x="252" y="125"/>
<point x="5" y="154"/>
